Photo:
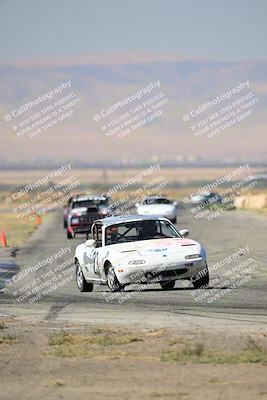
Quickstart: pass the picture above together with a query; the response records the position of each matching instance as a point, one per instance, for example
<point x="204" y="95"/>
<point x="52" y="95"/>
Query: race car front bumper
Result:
<point x="149" y="274"/>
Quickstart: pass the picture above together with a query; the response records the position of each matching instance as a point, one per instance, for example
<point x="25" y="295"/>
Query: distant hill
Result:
<point x="101" y="82"/>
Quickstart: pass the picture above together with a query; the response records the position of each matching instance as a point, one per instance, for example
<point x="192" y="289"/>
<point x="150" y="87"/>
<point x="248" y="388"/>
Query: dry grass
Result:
<point x="63" y="337"/>
<point x="67" y="352"/>
<point x="65" y="344"/>
<point x="112" y="345"/>
<point x="17" y="230"/>
<point x="197" y="354"/>
<point x="2" y="325"/>
<point x="109" y="176"/>
<point x="7" y="339"/>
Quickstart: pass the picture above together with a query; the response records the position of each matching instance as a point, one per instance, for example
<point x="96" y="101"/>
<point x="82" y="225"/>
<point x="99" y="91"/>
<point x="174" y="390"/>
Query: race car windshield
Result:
<point x="103" y="202"/>
<point x="156" y="201"/>
<point x="139" y="230"/>
<point x="90" y="203"/>
<point x="83" y="203"/>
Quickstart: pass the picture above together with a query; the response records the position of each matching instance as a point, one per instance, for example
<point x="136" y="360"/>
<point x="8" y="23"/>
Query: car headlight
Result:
<point x="74" y="220"/>
<point x="136" y="262"/>
<point x="193" y="256"/>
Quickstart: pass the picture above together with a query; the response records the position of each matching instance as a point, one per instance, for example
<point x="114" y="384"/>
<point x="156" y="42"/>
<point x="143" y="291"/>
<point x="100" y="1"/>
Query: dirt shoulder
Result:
<point x="66" y="360"/>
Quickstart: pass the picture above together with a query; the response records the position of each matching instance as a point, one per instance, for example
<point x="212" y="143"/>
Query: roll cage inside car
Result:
<point x="97" y="234"/>
<point x="156" y="200"/>
<point x="132" y="231"/>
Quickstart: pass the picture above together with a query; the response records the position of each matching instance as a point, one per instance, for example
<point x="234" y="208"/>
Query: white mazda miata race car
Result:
<point x="159" y="206"/>
<point x="139" y="249"/>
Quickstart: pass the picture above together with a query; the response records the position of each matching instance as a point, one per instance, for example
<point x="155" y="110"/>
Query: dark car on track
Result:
<point x="211" y="200"/>
<point x="82" y="211"/>
<point x="205" y="199"/>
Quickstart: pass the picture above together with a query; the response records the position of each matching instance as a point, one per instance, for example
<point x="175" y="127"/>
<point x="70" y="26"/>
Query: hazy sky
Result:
<point x="108" y="49"/>
<point x="214" y="29"/>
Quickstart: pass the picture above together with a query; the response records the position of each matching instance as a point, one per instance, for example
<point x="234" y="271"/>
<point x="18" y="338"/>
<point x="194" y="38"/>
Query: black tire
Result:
<point x="69" y="235"/>
<point x="82" y="284"/>
<point x="174" y="221"/>
<point x="202" y="282"/>
<point x="65" y="224"/>
<point x="112" y="280"/>
<point x="168" y="285"/>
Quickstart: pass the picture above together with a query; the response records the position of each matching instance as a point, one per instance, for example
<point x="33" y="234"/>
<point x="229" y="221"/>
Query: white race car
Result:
<point x="139" y="249"/>
<point x="158" y="206"/>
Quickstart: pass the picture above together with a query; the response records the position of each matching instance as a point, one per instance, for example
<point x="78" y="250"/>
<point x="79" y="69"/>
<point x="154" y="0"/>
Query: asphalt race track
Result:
<point x="243" y="305"/>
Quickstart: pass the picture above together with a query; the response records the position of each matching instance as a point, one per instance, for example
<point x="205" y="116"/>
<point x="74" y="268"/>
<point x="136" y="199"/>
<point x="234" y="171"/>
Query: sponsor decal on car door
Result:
<point x="89" y="262"/>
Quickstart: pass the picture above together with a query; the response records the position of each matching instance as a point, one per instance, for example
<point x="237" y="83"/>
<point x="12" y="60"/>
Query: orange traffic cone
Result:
<point x="3" y="239"/>
<point x="38" y="220"/>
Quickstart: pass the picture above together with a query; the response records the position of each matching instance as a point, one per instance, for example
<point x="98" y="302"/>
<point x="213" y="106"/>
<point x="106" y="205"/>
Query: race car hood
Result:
<point x="159" y="246"/>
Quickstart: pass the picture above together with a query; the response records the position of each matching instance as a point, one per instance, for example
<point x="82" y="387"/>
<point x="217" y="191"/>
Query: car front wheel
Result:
<point x="201" y="280"/>
<point x="167" y="285"/>
<point x="82" y="284"/>
<point x="112" y="281"/>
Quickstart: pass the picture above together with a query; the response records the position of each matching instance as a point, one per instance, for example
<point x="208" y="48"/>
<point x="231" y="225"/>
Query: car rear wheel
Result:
<point x="201" y="281"/>
<point x="112" y="280"/>
<point x="167" y="285"/>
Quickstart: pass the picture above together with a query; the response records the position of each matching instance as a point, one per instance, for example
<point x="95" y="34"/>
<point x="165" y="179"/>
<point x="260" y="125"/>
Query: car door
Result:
<point x="100" y="251"/>
<point x="91" y="255"/>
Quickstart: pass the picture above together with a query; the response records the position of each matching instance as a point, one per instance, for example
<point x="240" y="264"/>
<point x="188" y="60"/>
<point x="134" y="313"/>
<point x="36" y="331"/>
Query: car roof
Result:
<point x="85" y="197"/>
<point x="200" y="194"/>
<point x="128" y="218"/>
<point x="157" y="196"/>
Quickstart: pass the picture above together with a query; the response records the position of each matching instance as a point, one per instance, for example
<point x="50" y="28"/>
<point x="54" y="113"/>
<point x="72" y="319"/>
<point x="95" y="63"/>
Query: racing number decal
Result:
<point x="96" y="262"/>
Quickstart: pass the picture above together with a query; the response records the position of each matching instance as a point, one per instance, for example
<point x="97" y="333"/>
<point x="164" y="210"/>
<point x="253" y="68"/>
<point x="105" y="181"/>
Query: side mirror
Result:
<point x="175" y="203"/>
<point x="184" y="232"/>
<point x="90" y="243"/>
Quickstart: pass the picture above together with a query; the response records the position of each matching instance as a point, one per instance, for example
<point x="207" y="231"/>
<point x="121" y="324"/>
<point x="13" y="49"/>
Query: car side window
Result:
<point x="97" y="235"/>
<point x="94" y="233"/>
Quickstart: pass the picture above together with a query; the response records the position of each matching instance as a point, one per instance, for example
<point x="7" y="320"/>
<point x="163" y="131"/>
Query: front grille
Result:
<point x="88" y="218"/>
<point x="165" y="274"/>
